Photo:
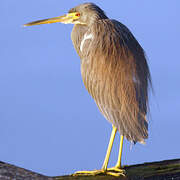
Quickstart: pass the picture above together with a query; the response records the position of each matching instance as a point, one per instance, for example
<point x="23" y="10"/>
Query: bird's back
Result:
<point x="115" y="72"/>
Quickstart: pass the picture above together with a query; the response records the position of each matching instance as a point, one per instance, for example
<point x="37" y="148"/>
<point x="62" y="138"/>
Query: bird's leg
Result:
<point x="117" y="168"/>
<point x="118" y="164"/>
<point x="106" y="160"/>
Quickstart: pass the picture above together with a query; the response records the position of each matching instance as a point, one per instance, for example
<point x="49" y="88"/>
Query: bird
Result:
<point x="114" y="71"/>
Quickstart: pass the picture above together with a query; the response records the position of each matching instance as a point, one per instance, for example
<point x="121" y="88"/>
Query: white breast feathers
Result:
<point x="86" y="36"/>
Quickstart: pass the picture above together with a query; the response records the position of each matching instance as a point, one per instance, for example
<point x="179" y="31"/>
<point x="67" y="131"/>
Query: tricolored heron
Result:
<point x="114" y="71"/>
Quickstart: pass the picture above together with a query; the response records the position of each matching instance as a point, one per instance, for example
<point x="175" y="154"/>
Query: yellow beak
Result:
<point x="66" y="19"/>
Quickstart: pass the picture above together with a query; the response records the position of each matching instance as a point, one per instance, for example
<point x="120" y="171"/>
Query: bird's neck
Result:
<point x="77" y="35"/>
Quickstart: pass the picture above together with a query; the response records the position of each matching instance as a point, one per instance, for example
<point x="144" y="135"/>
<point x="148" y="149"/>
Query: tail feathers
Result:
<point x="134" y="132"/>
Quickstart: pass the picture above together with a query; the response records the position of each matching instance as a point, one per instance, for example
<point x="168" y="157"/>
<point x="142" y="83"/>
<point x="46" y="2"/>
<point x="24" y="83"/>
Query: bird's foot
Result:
<point x="114" y="171"/>
<point x="89" y="173"/>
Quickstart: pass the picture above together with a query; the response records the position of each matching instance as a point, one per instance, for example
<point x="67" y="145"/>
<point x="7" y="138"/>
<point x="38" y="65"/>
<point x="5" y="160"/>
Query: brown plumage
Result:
<point x="115" y="72"/>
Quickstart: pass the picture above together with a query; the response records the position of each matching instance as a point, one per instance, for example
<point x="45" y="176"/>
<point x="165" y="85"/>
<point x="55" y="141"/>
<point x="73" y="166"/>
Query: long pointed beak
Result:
<point x="67" y="18"/>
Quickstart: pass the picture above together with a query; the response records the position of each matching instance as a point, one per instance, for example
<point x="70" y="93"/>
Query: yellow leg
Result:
<point x="118" y="164"/>
<point x="117" y="167"/>
<point x="106" y="160"/>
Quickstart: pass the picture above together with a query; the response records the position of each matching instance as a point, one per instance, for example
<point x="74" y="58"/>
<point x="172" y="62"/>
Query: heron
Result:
<point x="114" y="71"/>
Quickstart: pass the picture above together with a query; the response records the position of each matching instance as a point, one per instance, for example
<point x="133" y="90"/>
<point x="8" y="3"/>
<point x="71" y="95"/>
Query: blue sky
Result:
<point x="49" y="123"/>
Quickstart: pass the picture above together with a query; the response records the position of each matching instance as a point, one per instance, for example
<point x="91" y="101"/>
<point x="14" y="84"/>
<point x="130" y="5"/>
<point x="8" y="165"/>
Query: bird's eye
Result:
<point x="77" y="14"/>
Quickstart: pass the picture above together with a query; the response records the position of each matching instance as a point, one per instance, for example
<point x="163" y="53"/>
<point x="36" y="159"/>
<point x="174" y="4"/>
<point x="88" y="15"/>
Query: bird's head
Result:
<point x="84" y="14"/>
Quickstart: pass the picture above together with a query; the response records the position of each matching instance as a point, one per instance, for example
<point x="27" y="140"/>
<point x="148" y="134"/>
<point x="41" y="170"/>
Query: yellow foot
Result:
<point x="89" y="173"/>
<point x="115" y="171"/>
<point x="111" y="171"/>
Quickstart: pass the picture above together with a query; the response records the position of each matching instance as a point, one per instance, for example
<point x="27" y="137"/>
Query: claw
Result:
<point x="114" y="171"/>
<point x="115" y="174"/>
<point x="89" y="173"/>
